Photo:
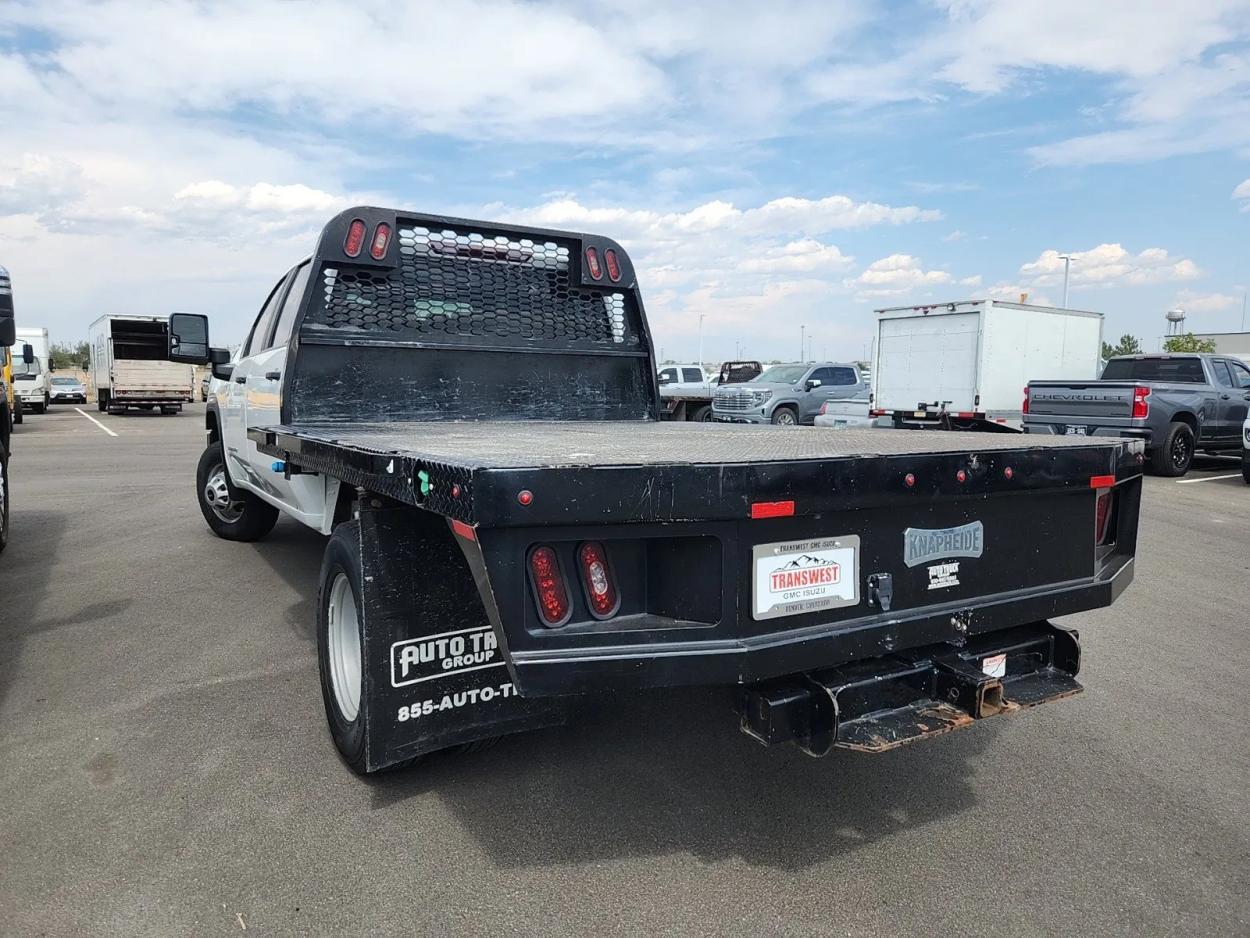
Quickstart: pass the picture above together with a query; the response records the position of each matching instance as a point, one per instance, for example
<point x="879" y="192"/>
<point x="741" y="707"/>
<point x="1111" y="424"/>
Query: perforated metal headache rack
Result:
<point x="460" y="286"/>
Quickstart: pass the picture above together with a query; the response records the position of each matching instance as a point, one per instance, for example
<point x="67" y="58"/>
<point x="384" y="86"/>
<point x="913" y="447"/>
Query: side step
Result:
<point x="883" y="703"/>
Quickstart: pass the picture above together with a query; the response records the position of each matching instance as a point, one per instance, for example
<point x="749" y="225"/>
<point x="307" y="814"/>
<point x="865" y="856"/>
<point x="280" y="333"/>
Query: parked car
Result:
<point x="1177" y="403"/>
<point x="842" y="415"/>
<point x="1245" y="450"/>
<point x="68" y="391"/>
<point x="788" y="394"/>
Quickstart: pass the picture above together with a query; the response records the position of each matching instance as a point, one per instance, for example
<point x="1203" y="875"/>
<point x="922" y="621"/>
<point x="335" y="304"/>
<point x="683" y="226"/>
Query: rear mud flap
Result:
<point x="872" y="706"/>
<point x="434" y="675"/>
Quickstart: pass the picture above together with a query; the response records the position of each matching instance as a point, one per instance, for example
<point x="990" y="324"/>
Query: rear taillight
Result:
<point x="1141" y="406"/>
<point x="355" y="238"/>
<point x="381" y="240"/>
<point x="549" y="589"/>
<point x="592" y="263"/>
<point x="824" y="409"/>
<point x="597" y="580"/>
<point x="612" y="262"/>
<point x="1103" y="505"/>
<point x="1025" y="407"/>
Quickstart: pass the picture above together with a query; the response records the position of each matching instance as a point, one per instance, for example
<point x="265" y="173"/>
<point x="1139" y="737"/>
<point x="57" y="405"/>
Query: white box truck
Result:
<point x="30" y="379"/>
<point x="964" y="365"/>
<point x="129" y="366"/>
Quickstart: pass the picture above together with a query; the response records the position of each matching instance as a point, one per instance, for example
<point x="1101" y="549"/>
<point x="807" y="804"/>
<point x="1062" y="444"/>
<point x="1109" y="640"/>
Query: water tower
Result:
<point x="1176" y="321"/>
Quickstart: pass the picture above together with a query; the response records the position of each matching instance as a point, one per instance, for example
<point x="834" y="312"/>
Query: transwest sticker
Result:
<point x="434" y="656"/>
<point x="804" y="576"/>
<point x="920" y="545"/>
<point x="943" y="575"/>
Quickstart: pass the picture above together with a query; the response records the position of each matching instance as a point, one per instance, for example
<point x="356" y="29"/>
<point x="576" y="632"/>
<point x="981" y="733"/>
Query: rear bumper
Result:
<point x="746" y="661"/>
<point x="1052" y="426"/>
<point x="873" y="706"/>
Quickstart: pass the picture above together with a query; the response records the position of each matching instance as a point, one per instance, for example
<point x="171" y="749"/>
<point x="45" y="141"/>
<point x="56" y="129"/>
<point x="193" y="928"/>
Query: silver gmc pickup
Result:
<point x="1178" y="403"/>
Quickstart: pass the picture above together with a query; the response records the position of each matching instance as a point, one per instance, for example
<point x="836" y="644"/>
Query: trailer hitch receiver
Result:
<point x="883" y="703"/>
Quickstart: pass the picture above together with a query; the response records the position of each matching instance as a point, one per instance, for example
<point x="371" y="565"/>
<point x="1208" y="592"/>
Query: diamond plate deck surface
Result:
<point x="531" y="444"/>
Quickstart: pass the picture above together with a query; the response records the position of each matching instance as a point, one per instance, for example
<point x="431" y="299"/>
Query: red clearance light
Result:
<point x="910" y="479"/>
<point x="355" y="238"/>
<point x="381" y="241"/>
<point x="612" y="262"/>
<point x="601" y="594"/>
<point x="1141" y="406"/>
<point x="592" y="263"/>
<point x="1102" y="482"/>
<point x="1008" y="472"/>
<point x="549" y="589"/>
<point x="525" y="497"/>
<point x="1102" y="516"/>
<point x="961" y="476"/>
<point x="772" y="509"/>
<point x="1025" y="407"/>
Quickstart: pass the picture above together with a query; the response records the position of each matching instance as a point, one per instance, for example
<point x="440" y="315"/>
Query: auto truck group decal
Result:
<point x="417" y="660"/>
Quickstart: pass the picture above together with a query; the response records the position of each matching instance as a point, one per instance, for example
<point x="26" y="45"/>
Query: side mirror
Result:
<point x="188" y="339"/>
<point x="665" y="379"/>
<point x="219" y="365"/>
<point x="28" y="353"/>
<point x="813" y="384"/>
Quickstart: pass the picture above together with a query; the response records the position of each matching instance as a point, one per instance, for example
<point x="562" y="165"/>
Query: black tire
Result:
<point x="169" y="409"/>
<point x="102" y="401"/>
<point x="246" y="518"/>
<point x="4" y="497"/>
<point x="1245" y="467"/>
<point x="1175" y="455"/>
<point x="342" y="557"/>
<point x="786" y="416"/>
<point x="702" y="414"/>
<point x="17" y="413"/>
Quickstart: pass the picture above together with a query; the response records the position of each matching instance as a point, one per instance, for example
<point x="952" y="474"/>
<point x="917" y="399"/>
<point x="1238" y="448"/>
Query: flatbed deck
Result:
<point x="549" y="445"/>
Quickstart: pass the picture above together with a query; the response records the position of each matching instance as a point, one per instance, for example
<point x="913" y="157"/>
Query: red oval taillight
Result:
<point x="549" y="589"/>
<point x="592" y="263"/>
<point x="613" y="263"/>
<point x="355" y="238"/>
<point x="381" y="241"/>
<point x="597" y="580"/>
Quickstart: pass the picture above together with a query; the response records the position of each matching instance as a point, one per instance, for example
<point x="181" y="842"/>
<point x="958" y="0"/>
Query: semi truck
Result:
<point x="31" y="377"/>
<point x="469" y="410"/>
<point x="963" y="365"/>
<point x="129" y="367"/>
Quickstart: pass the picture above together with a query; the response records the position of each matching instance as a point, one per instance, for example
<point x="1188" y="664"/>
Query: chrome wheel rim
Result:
<point x="217" y="496"/>
<point x="343" y="645"/>
<point x="785" y="418"/>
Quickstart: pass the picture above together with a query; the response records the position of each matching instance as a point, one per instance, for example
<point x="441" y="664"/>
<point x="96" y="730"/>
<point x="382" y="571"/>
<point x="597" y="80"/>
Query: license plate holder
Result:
<point x="789" y="578"/>
<point x="1076" y="429"/>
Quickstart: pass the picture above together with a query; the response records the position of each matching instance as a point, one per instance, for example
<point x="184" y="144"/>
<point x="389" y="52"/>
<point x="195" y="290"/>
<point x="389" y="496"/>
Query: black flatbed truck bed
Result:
<point x="855" y="588"/>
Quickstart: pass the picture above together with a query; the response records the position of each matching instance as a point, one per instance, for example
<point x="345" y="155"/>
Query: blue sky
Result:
<point x="769" y="166"/>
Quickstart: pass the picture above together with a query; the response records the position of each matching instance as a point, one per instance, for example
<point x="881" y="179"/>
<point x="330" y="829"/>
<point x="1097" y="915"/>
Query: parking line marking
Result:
<point x="96" y="422"/>
<point x="1235" y="475"/>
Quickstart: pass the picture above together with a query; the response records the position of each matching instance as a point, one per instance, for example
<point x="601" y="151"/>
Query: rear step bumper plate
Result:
<point x="883" y="703"/>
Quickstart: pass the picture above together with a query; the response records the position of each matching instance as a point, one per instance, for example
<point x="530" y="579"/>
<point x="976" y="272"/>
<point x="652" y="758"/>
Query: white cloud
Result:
<point x="896" y="275"/>
<point x="1242" y="192"/>
<point x="1111" y="265"/>
<point x="973" y="281"/>
<point x="1194" y="302"/>
<point x="805" y="256"/>
<point x="955" y="235"/>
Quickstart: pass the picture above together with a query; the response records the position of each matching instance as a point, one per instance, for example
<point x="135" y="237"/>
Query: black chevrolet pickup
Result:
<point x="470" y="411"/>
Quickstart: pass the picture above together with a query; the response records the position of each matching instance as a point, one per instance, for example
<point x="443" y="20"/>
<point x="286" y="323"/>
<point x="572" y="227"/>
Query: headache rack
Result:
<point x="424" y="330"/>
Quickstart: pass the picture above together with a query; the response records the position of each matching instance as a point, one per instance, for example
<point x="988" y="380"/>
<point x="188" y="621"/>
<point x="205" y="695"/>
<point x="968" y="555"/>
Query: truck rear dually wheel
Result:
<point x="339" y="644"/>
<point x="232" y="514"/>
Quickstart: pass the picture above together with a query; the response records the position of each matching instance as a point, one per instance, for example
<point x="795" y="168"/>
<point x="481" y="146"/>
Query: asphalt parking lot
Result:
<point x="166" y="769"/>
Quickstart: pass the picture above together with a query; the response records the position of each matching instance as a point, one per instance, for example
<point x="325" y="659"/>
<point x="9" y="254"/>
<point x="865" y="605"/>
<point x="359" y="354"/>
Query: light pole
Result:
<point x="802" y="341"/>
<point x="701" y="315"/>
<point x="1067" y="262"/>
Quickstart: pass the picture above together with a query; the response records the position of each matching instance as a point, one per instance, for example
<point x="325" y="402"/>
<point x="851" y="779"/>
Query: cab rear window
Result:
<point x="1181" y="370"/>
